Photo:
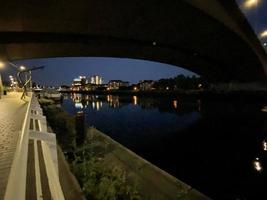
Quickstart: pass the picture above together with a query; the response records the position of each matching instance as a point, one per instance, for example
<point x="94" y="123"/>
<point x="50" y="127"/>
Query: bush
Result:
<point x="100" y="183"/>
<point x="63" y="125"/>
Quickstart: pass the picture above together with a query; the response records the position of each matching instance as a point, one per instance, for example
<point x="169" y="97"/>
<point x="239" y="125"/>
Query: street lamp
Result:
<point x="18" y="69"/>
<point x="251" y="4"/>
<point x="263" y="34"/>
<point x="22" y="68"/>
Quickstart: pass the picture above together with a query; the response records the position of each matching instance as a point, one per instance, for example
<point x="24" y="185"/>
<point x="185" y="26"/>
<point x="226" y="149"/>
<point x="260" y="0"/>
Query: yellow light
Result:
<point x="257" y="165"/>
<point x="135" y="88"/>
<point x="22" y="68"/>
<point x="2" y="65"/>
<point x="251" y="3"/>
<point x="264" y="144"/>
<point x="175" y="104"/>
<point x="135" y="100"/>
<point x="263" y="34"/>
<point x="264" y="109"/>
<point x="97" y="106"/>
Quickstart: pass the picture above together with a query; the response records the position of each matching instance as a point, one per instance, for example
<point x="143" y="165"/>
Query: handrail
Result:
<point x="16" y="186"/>
<point x="52" y="174"/>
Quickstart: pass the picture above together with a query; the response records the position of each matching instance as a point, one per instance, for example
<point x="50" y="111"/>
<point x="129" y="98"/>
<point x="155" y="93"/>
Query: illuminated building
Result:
<point x="116" y="84"/>
<point x="90" y="87"/>
<point x="146" y="85"/>
<point x="78" y="84"/>
<point x="64" y="88"/>
<point x="97" y="80"/>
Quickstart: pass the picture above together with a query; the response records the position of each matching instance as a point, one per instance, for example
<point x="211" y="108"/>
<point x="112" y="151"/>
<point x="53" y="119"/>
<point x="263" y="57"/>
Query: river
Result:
<point x="216" y="146"/>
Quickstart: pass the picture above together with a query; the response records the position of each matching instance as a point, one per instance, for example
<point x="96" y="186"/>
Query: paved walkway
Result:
<point x="12" y="114"/>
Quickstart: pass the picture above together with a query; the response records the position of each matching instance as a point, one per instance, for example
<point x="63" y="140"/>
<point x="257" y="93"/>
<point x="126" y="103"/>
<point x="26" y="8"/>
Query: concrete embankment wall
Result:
<point x="153" y="181"/>
<point x="69" y="184"/>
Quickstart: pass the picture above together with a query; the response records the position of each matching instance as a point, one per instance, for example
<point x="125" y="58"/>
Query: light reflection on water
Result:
<point x="95" y="102"/>
<point x="184" y="136"/>
<point x="264" y="144"/>
<point x="257" y="165"/>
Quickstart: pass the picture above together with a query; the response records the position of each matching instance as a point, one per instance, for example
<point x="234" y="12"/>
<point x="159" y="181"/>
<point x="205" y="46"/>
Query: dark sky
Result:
<point x="62" y="70"/>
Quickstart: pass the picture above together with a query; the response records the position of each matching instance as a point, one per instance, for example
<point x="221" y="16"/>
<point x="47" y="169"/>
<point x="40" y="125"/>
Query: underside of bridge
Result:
<point x="211" y="38"/>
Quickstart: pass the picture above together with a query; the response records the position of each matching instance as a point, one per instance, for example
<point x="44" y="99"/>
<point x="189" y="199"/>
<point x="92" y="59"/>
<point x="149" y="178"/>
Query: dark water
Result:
<point x="216" y="146"/>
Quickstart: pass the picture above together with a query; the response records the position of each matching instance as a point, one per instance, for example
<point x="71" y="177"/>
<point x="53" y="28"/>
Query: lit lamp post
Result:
<point x="18" y="68"/>
<point x="263" y="34"/>
<point x="13" y="82"/>
<point x="22" y="69"/>
<point x="248" y="4"/>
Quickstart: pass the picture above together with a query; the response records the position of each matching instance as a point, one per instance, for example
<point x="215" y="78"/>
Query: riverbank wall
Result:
<point x="153" y="182"/>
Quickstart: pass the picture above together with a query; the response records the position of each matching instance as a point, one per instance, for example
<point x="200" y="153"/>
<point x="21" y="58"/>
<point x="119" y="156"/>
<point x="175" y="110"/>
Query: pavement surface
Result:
<point x="12" y="114"/>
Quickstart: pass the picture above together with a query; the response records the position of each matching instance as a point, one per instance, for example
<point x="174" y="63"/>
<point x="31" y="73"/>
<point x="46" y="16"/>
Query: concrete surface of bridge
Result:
<point x="211" y="37"/>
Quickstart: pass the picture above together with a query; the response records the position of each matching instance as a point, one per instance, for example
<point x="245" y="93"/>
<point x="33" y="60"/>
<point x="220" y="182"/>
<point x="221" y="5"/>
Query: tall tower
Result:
<point x="97" y="80"/>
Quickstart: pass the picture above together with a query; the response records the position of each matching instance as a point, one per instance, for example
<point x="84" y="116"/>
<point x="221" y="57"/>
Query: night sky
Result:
<point x="60" y="71"/>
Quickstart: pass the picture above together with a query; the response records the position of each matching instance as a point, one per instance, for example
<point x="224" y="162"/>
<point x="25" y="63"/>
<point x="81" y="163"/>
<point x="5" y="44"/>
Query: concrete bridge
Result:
<point x="211" y="38"/>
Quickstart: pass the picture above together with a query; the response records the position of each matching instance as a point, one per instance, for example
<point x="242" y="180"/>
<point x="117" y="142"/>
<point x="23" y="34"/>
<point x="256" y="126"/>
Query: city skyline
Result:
<point x="61" y="71"/>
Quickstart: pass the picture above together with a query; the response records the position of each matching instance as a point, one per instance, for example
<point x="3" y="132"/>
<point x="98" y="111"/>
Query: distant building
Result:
<point x="146" y="85"/>
<point x="64" y="88"/>
<point x="79" y="83"/>
<point x="97" y="80"/>
<point x="116" y="84"/>
<point x="90" y="87"/>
